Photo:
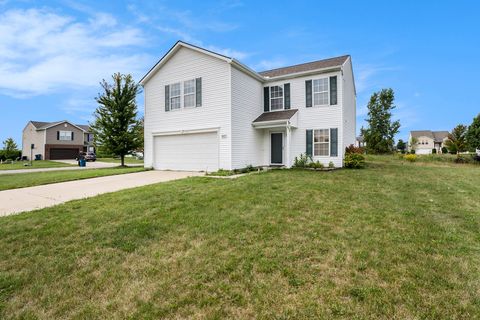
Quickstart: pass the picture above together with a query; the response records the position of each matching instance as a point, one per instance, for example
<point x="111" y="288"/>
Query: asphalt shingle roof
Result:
<point x="42" y="124"/>
<point x="437" y="136"/>
<point x="315" y="65"/>
<point x="276" y="115"/>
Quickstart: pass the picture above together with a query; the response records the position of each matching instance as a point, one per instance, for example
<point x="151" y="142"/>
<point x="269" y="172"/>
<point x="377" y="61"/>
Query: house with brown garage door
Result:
<point x="56" y="140"/>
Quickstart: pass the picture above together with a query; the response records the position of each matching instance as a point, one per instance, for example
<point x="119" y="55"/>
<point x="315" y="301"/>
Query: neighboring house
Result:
<point x="360" y="142"/>
<point x="56" y="140"/>
<point x="427" y="141"/>
<point x="205" y="111"/>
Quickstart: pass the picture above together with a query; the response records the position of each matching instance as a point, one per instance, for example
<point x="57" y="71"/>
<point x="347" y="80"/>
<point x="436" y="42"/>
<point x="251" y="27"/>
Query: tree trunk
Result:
<point x="122" y="157"/>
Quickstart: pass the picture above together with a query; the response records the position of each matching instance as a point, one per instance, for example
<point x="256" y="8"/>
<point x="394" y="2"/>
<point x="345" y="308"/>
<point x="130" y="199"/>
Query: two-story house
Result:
<point x="424" y="141"/>
<point x="56" y="140"/>
<point x="205" y="111"/>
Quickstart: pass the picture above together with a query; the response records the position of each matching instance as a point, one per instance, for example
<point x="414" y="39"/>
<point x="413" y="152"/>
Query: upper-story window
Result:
<point x="65" y="135"/>
<point x="320" y="92"/>
<point x="90" y="137"/>
<point x="189" y="93"/>
<point x="276" y="98"/>
<point x="175" y="92"/>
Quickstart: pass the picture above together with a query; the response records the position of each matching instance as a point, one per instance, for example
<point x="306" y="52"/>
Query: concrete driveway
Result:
<point x="31" y="198"/>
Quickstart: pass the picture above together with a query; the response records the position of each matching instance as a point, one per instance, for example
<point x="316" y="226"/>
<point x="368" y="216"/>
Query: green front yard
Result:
<point x="128" y="160"/>
<point x="35" y="165"/>
<point x="22" y="180"/>
<point x="393" y="241"/>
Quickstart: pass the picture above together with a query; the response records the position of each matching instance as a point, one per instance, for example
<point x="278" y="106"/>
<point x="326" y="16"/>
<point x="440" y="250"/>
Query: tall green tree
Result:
<point x="473" y="134"/>
<point x="380" y="133"/>
<point x="401" y="145"/>
<point x="116" y="125"/>
<point x="140" y="135"/>
<point x="456" y="141"/>
<point x="10" y="145"/>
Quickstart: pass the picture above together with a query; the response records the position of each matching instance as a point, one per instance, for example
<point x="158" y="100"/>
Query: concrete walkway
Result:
<point x="31" y="198"/>
<point x="90" y="165"/>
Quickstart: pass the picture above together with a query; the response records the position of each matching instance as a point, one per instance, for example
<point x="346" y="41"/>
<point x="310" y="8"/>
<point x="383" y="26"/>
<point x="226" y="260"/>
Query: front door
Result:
<point x="276" y="148"/>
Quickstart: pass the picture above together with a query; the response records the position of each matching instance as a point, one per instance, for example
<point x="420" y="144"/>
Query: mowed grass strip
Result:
<point x="22" y="180"/>
<point x="392" y="241"/>
<point x="35" y="165"/>
<point x="128" y="160"/>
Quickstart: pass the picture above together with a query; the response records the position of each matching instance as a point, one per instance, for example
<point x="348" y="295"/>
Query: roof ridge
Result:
<point x="304" y="63"/>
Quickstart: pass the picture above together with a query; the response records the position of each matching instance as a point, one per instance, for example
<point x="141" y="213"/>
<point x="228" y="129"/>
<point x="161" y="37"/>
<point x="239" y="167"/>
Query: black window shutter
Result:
<point x="286" y="93"/>
<point x="167" y="98"/>
<point x="333" y="90"/>
<point x="308" y="93"/>
<point x="72" y="135"/>
<point x="198" y="92"/>
<point x="266" y="99"/>
<point x="309" y="148"/>
<point x="333" y="142"/>
<point x="58" y="135"/>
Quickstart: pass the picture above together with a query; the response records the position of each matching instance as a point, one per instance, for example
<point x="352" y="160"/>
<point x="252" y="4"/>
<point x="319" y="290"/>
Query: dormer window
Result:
<point x="276" y="98"/>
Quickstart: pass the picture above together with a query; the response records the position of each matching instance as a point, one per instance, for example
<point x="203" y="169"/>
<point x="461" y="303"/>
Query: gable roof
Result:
<point x="437" y="136"/>
<point x="41" y="125"/>
<point x="440" y="135"/>
<point x="179" y="44"/>
<point x="276" y="115"/>
<point x="336" y="62"/>
<point x="304" y="67"/>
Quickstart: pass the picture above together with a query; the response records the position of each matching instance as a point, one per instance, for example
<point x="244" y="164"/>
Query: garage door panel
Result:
<point x="63" y="153"/>
<point x="198" y="152"/>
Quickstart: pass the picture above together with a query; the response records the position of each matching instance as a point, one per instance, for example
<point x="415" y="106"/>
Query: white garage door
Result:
<point x="423" y="151"/>
<point x="195" y="152"/>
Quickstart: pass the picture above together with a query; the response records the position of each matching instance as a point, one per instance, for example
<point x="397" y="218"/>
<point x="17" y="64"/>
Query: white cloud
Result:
<point x="42" y="51"/>
<point x="240" y="55"/>
<point x="270" y="64"/>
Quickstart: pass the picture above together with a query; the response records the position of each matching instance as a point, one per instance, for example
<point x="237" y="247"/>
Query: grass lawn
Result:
<point x="36" y="165"/>
<point x="393" y="241"/>
<point x="21" y="180"/>
<point x="128" y="160"/>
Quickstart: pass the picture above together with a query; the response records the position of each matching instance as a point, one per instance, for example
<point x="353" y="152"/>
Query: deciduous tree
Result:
<point x="116" y="125"/>
<point x="380" y="133"/>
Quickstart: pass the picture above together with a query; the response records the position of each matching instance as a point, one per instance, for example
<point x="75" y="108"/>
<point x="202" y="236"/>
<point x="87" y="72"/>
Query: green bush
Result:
<point x="331" y="165"/>
<point x="316" y="165"/>
<point x="354" y="161"/>
<point x="434" y="151"/>
<point x="444" y="150"/>
<point x="10" y="154"/>
<point x="302" y="161"/>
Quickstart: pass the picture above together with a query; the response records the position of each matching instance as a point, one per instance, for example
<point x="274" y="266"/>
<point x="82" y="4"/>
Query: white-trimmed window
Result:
<point x="276" y="98"/>
<point x="175" y="95"/>
<point x="189" y="93"/>
<point x="65" y="135"/>
<point x="320" y="92"/>
<point x="321" y="142"/>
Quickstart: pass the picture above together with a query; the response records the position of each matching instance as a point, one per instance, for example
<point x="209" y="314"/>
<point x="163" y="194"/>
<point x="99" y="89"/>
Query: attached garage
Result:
<point x="190" y="152"/>
<point x="63" y="153"/>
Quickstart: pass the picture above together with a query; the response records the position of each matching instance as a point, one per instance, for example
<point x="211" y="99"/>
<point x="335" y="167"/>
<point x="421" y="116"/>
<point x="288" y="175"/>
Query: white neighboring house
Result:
<point x="205" y="111"/>
<point x="427" y="141"/>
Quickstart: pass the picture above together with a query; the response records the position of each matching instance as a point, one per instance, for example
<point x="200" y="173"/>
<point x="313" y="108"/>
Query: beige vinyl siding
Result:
<point x="52" y="135"/>
<point x="31" y="135"/>
<point x="247" y="105"/>
<point x="215" y="111"/>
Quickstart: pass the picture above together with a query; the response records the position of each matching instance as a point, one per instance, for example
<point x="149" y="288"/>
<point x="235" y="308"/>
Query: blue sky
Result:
<point x="54" y="53"/>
